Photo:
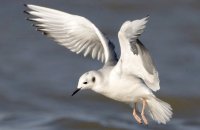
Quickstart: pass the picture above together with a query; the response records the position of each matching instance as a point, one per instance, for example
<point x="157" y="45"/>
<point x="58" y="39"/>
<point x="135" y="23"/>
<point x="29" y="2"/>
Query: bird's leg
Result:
<point x="137" y="118"/>
<point x="142" y="113"/>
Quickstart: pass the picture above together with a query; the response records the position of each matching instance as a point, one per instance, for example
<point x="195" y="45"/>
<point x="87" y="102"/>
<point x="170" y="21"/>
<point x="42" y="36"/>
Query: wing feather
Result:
<point x="74" y="32"/>
<point x="136" y="59"/>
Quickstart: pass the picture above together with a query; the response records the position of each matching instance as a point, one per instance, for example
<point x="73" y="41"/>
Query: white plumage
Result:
<point x="135" y="57"/>
<point x="126" y="79"/>
<point x="74" y="32"/>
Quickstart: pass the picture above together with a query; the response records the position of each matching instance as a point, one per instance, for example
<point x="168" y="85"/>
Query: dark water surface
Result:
<point x="38" y="76"/>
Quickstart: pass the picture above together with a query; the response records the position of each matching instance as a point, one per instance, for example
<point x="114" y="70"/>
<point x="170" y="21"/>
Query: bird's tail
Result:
<point x="159" y="110"/>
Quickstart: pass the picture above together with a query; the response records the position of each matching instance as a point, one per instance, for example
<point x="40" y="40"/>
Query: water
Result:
<point x="38" y="76"/>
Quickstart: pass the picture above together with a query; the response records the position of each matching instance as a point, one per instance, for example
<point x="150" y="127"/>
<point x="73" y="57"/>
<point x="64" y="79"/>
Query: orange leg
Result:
<point x="137" y="118"/>
<point x="142" y="113"/>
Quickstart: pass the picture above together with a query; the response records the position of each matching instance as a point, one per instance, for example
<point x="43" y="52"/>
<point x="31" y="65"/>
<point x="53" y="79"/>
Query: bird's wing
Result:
<point x="74" y="32"/>
<point x="135" y="58"/>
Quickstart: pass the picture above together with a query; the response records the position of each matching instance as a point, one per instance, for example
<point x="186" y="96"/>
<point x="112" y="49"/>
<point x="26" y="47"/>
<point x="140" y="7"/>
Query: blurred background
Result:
<point x="37" y="76"/>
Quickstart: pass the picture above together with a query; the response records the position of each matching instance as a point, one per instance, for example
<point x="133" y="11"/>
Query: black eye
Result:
<point x="93" y="79"/>
<point x="84" y="82"/>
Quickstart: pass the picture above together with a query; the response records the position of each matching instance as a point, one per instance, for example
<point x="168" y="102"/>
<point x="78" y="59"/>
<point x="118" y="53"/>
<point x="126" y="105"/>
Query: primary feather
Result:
<point x="74" y="32"/>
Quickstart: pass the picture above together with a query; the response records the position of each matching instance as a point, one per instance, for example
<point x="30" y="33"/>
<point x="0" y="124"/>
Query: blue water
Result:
<point x="38" y="76"/>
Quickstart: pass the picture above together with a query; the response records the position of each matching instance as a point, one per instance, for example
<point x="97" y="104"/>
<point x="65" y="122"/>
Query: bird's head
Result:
<point x="87" y="81"/>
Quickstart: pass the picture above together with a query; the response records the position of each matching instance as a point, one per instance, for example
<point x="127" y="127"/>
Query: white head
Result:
<point x="87" y="81"/>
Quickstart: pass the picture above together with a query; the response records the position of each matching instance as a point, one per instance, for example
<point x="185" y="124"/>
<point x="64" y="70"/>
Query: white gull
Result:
<point x="130" y="79"/>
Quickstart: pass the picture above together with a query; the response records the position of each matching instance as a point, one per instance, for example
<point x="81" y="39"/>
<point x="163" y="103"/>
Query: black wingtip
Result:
<point x="148" y="16"/>
<point x="45" y="33"/>
<point x="34" y="25"/>
<point x="26" y="5"/>
<point x="29" y="19"/>
<point x="26" y="12"/>
<point x="38" y="28"/>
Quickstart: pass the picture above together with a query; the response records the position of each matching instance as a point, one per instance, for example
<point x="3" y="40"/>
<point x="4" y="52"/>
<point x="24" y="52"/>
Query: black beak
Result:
<point x="76" y="91"/>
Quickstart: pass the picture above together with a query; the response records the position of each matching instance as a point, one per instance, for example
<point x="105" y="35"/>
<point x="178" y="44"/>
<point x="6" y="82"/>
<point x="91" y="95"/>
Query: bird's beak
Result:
<point x="78" y="89"/>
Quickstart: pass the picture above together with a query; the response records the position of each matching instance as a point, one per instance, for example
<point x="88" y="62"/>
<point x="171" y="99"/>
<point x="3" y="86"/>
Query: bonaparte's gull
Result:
<point x="129" y="78"/>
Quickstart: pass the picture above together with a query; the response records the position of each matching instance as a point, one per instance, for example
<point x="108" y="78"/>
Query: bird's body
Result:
<point x="127" y="88"/>
<point x="131" y="78"/>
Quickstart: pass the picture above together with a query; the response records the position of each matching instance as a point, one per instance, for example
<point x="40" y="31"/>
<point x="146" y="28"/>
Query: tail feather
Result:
<point x="159" y="110"/>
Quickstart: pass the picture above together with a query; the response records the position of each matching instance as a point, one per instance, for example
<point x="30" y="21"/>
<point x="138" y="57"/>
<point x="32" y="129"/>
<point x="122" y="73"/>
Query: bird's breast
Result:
<point x="120" y="88"/>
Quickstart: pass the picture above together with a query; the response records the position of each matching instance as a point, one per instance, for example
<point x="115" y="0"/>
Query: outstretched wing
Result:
<point x="135" y="58"/>
<point x="74" y="32"/>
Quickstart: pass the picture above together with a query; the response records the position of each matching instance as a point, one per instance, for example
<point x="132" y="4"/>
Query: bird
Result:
<point x="131" y="78"/>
